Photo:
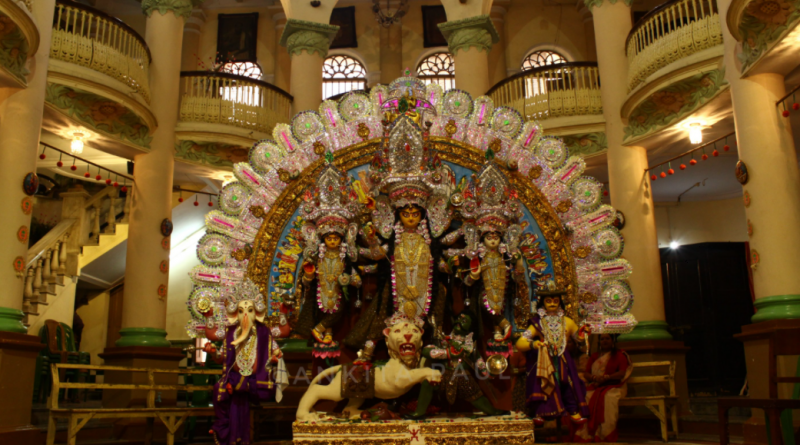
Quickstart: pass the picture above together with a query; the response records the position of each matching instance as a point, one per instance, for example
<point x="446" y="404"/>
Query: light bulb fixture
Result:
<point x="77" y="143"/>
<point x="674" y="245"/>
<point x="695" y="129"/>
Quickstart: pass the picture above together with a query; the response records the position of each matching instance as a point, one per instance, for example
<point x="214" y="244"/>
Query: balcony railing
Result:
<point x="86" y="36"/>
<point x="222" y="98"/>
<point x="564" y="89"/>
<point x="670" y="32"/>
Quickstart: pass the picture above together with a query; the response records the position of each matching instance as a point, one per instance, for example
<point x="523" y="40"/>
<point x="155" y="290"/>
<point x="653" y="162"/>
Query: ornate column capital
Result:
<point x="478" y="31"/>
<point x="181" y="8"/>
<point x="313" y="37"/>
<point x="592" y="3"/>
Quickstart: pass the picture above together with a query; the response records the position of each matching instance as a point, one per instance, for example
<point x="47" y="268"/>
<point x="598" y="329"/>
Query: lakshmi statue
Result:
<point x="459" y="354"/>
<point x="249" y="360"/>
<point x="327" y="267"/>
<point x="553" y="387"/>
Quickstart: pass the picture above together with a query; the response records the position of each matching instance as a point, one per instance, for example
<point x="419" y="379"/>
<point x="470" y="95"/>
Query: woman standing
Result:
<point x="606" y="373"/>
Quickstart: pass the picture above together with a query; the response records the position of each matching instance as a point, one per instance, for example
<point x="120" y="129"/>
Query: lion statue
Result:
<point x="359" y="381"/>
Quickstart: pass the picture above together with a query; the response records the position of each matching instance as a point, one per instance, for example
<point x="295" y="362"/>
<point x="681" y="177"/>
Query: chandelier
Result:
<point x="383" y="14"/>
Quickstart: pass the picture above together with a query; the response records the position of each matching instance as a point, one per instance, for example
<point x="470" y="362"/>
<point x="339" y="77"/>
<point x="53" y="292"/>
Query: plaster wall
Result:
<point x="265" y="48"/>
<point x="95" y="326"/>
<point x="182" y="259"/>
<point x="701" y="222"/>
<point x="534" y="24"/>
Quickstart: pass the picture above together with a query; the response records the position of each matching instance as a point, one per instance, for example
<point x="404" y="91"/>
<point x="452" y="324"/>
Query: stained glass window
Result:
<point x="438" y="68"/>
<point x="341" y="74"/>
<point x="246" y="69"/>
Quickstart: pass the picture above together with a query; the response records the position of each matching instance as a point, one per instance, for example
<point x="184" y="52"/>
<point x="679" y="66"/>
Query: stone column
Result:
<point x="192" y="31"/>
<point x="20" y="126"/>
<point x="766" y="146"/>
<point x="631" y="194"/>
<point x="283" y="63"/>
<point x="308" y="44"/>
<point x="772" y="205"/>
<point x="629" y="184"/>
<point x="470" y="40"/>
<point x="145" y="307"/>
<point x="498" y="70"/>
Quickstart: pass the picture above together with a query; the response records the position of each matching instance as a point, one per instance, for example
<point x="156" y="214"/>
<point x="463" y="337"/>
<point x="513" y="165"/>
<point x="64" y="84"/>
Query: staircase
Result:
<point x="89" y="227"/>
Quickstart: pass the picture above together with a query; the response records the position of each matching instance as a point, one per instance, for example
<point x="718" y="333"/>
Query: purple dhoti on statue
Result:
<point x="553" y="388"/>
<point x="232" y="410"/>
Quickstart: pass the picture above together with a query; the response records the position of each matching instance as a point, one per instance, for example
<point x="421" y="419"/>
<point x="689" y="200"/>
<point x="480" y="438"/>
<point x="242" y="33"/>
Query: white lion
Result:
<point x="397" y="377"/>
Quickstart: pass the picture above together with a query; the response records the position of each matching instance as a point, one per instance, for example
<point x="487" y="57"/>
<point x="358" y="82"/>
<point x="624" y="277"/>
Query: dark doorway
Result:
<point x="707" y="298"/>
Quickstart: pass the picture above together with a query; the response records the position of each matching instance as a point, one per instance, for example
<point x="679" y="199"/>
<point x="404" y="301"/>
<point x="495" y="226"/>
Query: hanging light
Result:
<point x="696" y="133"/>
<point x="77" y="143"/>
<point x="674" y="245"/>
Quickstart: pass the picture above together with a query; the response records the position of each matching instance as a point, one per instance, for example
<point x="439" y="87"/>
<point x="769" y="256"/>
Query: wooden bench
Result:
<point x="663" y="406"/>
<point x="172" y="417"/>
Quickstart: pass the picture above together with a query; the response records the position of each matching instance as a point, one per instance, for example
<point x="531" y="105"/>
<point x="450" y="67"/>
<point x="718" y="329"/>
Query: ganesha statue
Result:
<point x="251" y="360"/>
<point x="360" y="381"/>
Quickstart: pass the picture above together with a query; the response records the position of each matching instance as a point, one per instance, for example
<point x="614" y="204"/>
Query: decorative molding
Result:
<point x="478" y="32"/>
<point x="593" y="3"/>
<point x="312" y="37"/>
<point x="15" y="47"/>
<point x="670" y="104"/>
<point x="99" y="113"/>
<point x="586" y="145"/>
<point x="763" y="23"/>
<point x="85" y="83"/>
<point x="181" y="8"/>
<point x="211" y="154"/>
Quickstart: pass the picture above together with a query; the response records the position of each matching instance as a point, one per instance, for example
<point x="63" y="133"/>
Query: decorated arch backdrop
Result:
<point x="567" y="238"/>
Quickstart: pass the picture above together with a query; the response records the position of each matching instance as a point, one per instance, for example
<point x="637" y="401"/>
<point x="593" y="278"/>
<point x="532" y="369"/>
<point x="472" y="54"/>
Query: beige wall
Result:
<point x="182" y="259"/>
<point x="531" y="24"/>
<point x="265" y="48"/>
<point x="701" y="222"/>
<point x="95" y="326"/>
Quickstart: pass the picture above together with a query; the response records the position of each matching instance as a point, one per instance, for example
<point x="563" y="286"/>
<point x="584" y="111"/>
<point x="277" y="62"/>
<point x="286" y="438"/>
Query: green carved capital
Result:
<point x="11" y="320"/>
<point x="142" y="337"/>
<point x="593" y="3"/>
<point x="311" y="37"/>
<point x="478" y="31"/>
<point x="181" y="8"/>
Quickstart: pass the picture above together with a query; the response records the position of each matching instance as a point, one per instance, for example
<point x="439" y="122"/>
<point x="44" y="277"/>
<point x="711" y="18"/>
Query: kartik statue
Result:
<point x="553" y="388"/>
<point x="250" y="359"/>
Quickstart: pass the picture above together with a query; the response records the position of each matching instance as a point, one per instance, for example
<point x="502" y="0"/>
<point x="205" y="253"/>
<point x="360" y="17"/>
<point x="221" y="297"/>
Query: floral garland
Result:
<point x="422" y="230"/>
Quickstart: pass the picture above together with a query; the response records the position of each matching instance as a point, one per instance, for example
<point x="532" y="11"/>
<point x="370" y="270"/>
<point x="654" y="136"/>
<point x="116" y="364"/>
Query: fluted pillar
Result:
<point x="629" y="184"/>
<point x="144" y="307"/>
<point x="20" y="126"/>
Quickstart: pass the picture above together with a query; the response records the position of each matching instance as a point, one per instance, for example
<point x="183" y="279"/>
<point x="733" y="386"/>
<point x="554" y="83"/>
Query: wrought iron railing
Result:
<point x="86" y="36"/>
<point x="223" y="98"/>
<point x="564" y="89"/>
<point x="670" y="32"/>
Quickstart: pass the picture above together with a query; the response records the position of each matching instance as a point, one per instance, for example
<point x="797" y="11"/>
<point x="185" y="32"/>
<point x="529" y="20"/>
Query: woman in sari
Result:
<point x="606" y="374"/>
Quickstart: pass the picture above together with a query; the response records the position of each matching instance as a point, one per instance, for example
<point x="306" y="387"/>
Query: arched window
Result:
<point x="244" y="93"/>
<point x="542" y="58"/>
<point x="246" y="69"/>
<point x="341" y="74"/>
<point x="438" y="68"/>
